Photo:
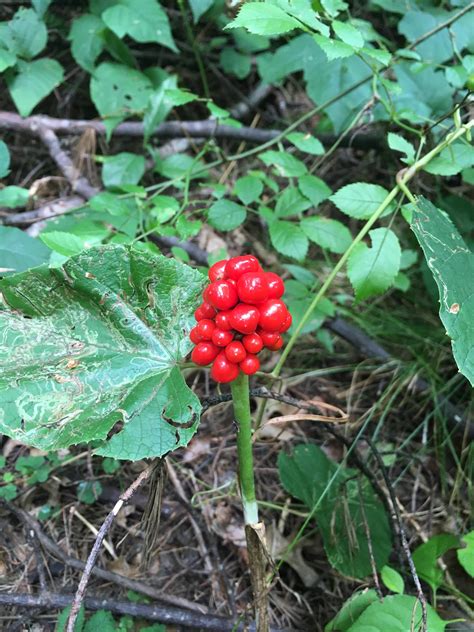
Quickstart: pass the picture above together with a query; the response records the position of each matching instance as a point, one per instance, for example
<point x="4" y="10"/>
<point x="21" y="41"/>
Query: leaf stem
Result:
<point x="241" y="403"/>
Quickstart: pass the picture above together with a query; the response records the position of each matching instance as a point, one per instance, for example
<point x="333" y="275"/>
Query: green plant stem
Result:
<point x="402" y="178"/>
<point x="241" y="402"/>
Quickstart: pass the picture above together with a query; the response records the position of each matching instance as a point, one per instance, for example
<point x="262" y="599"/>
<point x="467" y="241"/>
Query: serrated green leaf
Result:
<point x="392" y="580"/>
<point x="7" y="59"/>
<point x="26" y="35"/>
<point x="65" y="244"/>
<point x="307" y="143"/>
<point x="286" y="165"/>
<point x="86" y="43"/>
<point x="4" y="160"/>
<point x="123" y="168"/>
<point x="452" y="160"/>
<point x="13" y="197"/>
<point x="380" y="55"/>
<point x="451" y="264"/>
<point x="466" y="554"/>
<point x="117" y="92"/>
<point x="291" y="202"/>
<point x="397" y="613"/>
<point x="372" y="270"/>
<point x="19" y="251"/>
<point x="263" y="19"/>
<point x="309" y="475"/>
<point x="103" y="621"/>
<point x="334" y="49"/>
<point x="111" y="325"/>
<point x="109" y="203"/>
<point x="398" y="143"/>
<point x="289" y="239"/>
<point x="327" y="233"/>
<point x="314" y="189"/>
<point x="142" y="20"/>
<point x="226" y="215"/>
<point x="248" y="189"/>
<point x="32" y="81"/>
<point x="348" y="33"/>
<point x="361" y="200"/>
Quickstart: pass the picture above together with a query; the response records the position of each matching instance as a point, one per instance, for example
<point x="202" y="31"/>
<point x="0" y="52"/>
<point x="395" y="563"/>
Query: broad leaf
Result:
<point x="452" y="160"/>
<point x="334" y="49"/>
<point x="32" y="81"/>
<point x="123" y="168"/>
<point x="351" y="610"/>
<point x="199" y="7"/>
<point x="289" y="239"/>
<point x="343" y="507"/>
<point x="86" y="41"/>
<point x="7" y="59"/>
<point x="248" y="189"/>
<point x="307" y="143"/>
<point x="92" y="348"/>
<point x="286" y="165"/>
<point x="425" y="558"/>
<point x="13" y="196"/>
<point x="235" y="63"/>
<point x="4" y="160"/>
<point x="348" y="33"/>
<point x="466" y="554"/>
<point x="398" y="143"/>
<point x="392" y="579"/>
<point x="361" y="200"/>
<point x="142" y="20"/>
<point x="291" y="202"/>
<point x="397" y="613"/>
<point x="264" y="19"/>
<point x="452" y="266"/>
<point x="19" y="251"/>
<point x="118" y="91"/>
<point x="226" y="215"/>
<point x="327" y="233"/>
<point x="26" y="35"/>
<point x="314" y="189"/>
<point x="373" y="270"/>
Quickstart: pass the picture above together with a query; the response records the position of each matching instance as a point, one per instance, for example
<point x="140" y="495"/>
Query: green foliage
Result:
<point x="392" y="579"/>
<point x="351" y="611"/>
<point x="451" y="262"/>
<point x="91" y="388"/>
<point x="425" y="558"/>
<point x="341" y="507"/>
<point x="225" y="215"/>
<point x="360" y="200"/>
<point x="19" y="251"/>
<point x="466" y="554"/>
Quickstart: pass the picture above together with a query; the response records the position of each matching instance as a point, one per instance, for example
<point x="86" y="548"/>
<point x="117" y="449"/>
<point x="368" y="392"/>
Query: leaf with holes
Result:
<point x="89" y="352"/>
<point x="452" y="265"/>
<point x="373" y="270"/>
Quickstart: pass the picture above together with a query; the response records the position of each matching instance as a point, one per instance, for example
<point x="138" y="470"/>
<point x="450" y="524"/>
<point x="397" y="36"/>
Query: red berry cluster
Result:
<point x="241" y="314"/>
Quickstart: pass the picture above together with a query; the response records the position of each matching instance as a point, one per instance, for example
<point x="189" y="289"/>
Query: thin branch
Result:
<point x="48" y="211"/>
<point x="163" y="614"/>
<point x="91" y="560"/>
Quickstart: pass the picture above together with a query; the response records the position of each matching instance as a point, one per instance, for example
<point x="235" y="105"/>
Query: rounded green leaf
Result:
<point x="466" y="554"/>
<point x="289" y="239"/>
<point x="19" y="251"/>
<point x="392" y="579"/>
<point x="27" y="34"/>
<point x="360" y="199"/>
<point x="4" y="160"/>
<point x="86" y="41"/>
<point x="263" y="19"/>
<point x="314" y="189"/>
<point x="327" y="233"/>
<point x="32" y="82"/>
<point x="248" y="189"/>
<point x="123" y="168"/>
<point x="226" y="215"/>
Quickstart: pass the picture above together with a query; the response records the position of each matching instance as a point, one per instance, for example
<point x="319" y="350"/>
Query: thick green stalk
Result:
<point x="241" y="402"/>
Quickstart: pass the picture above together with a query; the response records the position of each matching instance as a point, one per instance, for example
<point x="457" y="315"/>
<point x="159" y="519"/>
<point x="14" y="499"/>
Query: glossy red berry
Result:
<point x="204" y="353"/>
<point x="252" y="288"/>
<point x="287" y="323"/>
<point x="204" y="328"/>
<point x="237" y="266"/>
<point x="250" y="365"/>
<point x="217" y="271"/>
<point x="221" y="295"/>
<point x="272" y="314"/>
<point x="235" y="352"/>
<point x="204" y="311"/>
<point x="244" y="318"/>
<point x="221" y="338"/>
<point x="276" y="287"/>
<point x="194" y="335"/>
<point x="252" y="343"/>
<point x="222" y="320"/>
<point x="222" y="370"/>
<point x="268" y="337"/>
<point x="276" y="344"/>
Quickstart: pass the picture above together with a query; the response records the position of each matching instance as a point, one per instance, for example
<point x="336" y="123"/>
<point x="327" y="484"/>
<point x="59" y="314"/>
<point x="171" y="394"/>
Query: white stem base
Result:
<point x="250" y="511"/>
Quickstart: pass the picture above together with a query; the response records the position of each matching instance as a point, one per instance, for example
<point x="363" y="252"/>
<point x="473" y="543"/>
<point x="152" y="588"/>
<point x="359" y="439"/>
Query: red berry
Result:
<point x="275" y="285"/>
<point x="252" y="288"/>
<point x="244" y="318"/>
<point x="217" y="271"/>
<point x="287" y="323"/>
<point x="204" y="353"/>
<point x="222" y="370"/>
<point x="235" y="352"/>
<point x="277" y="344"/>
<point x="198" y="314"/>
<point x="222" y="338"/>
<point x="252" y="343"/>
<point x="194" y="335"/>
<point x="269" y="338"/>
<point x="204" y="311"/>
<point x="237" y="266"/>
<point x="221" y="295"/>
<point x="272" y="314"/>
<point x="205" y="328"/>
<point x="250" y="365"/>
<point x="222" y="320"/>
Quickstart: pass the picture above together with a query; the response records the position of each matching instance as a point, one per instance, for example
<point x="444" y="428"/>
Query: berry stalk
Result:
<point x="241" y="403"/>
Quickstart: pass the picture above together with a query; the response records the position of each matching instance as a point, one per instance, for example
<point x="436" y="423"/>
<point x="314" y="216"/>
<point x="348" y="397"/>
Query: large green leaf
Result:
<point x="143" y="20"/>
<point x="92" y="348"/>
<point x="452" y="266"/>
<point x="425" y="558"/>
<point x="32" y="82"/>
<point x="26" y="35"/>
<point x="86" y="40"/>
<point x="19" y="251"/>
<point x="343" y="509"/>
<point x="264" y="19"/>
